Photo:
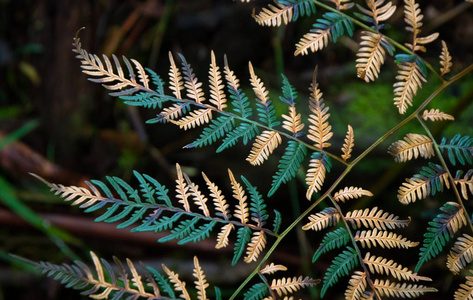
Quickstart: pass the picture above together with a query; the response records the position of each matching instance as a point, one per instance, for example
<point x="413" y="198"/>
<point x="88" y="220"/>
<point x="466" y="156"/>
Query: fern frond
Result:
<point x="214" y="131"/>
<point x="349" y="143"/>
<point x="201" y="283"/>
<point x="194" y="119"/>
<point x="170" y="113"/>
<point x="288" y="165"/>
<point x="335" y="239"/>
<point x="217" y="95"/>
<point x="290" y="285"/>
<point x="440" y="230"/>
<point x="374" y="218"/>
<point x="413" y="18"/>
<point x="258" y="86"/>
<point x="465" y="292"/>
<point x="284" y="11"/>
<point x="293" y="122"/>
<point x="178" y="284"/>
<point x="465" y="183"/>
<point x="222" y="237"/>
<point x="246" y="131"/>
<point x="341" y="5"/>
<point x="377" y="12"/>
<point x="320" y="129"/>
<point x="430" y="180"/>
<point x="436" y="115"/>
<point x="371" y="55"/>
<point x="257" y="205"/>
<point x="327" y="217"/>
<point x="272" y="268"/>
<point x="220" y="203"/>
<point x="257" y="292"/>
<point x="445" y="60"/>
<point x="182" y="189"/>
<point x="243" y="237"/>
<point x="175" y="78"/>
<point x="241" y="209"/>
<point x="256" y="245"/>
<point x="239" y="100"/>
<point x="414" y="145"/>
<point x="191" y="82"/>
<point x="404" y="290"/>
<point x="351" y="193"/>
<point x="356" y="286"/>
<point x="319" y="165"/>
<point x="409" y="80"/>
<point x="341" y="266"/>
<point x="461" y="254"/>
<point x="460" y="148"/>
<point x="199" y="199"/>
<point x="330" y="27"/>
<point x="382" y="238"/>
<point x="266" y="111"/>
<point x="380" y="265"/>
<point x="263" y="146"/>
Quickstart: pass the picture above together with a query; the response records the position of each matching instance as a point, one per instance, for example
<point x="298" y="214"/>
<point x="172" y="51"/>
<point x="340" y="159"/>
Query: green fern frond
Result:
<point x="341" y="266"/>
<point x="330" y="27"/>
<point x="245" y="131"/>
<point x="465" y="292"/>
<point x="163" y="282"/>
<point x="380" y="265"/>
<point x="243" y="237"/>
<point x="327" y="217"/>
<point x="440" y="230"/>
<point x="290" y="285"/>
<point x="216" y="130"/>
<point x="466" y="183"/>
<point x="413" y="146"/>
<point x="257" y="205"/>
<point x="257" y="292"/>
<point x="403" y="290"/>
<point x="332" y="240"/>
<point x="288" y="165"/>
<point x="374" y="218"/>
<point x="144" y="99"/>
<point x="387" y="239"/>
<point x="461" y="254"/>
<point x="277" y="221"/>
<point x="460" y="148"/>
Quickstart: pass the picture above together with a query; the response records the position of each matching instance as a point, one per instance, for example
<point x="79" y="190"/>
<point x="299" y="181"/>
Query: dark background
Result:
<point x="73" y="131"/>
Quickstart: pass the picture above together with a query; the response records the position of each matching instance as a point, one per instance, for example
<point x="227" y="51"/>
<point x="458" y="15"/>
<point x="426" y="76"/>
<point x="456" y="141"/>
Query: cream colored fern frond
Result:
<point x="343" y="4"/>
<point x="256" y="245"/>
<point x="378" y="12"/>
<point x="351" y="193"/>
<point x="263" y="146"/>
<point x="274" y="15"/>
<point x="289" y="285"/>
<point x="292" y="123"/>
<point x="399" y="290"/>
<point x="178" y="284"/>
<point x="220" y="203"/>
<point x="356" y="286"/>
<point x="314" y="40"/>
<point x="368" y="238"/>
<point x="182" y="189"/>
<point x="175" y="78"/>
<point x="374" y="218"/>
<point x="413" y="146"/>
<point x="349" y="143"/>
<point x="199" y="199"/>
<point x="201" y="283"/>
<point x="230" y="77"/>
<point x="192" y="83"/>
<point x="241" y="209"/>
<point x="466" y="183"/>
<point x="436" y="115"/>
<point x="258" y="86"/>
<point x="409" y="80"/>
<point x="168" y="114"/>
<point x="194" y="119"/>
<point x="320" y="129"/>
<point x="222" y="237"/>
<point x="380" y="265"/>
<point x="315" y="176"/>
<point x="465" y="292"/>
<point x="370" y="56"/>
<point x="417" y="188"/>
<point x="323" y="219"/>
<point x="217" y="94"/>
<point x="413" y="18"/>
<point x="445" y="60"/>
<point x="461" y="254"/>
<point x="272" y="268"/>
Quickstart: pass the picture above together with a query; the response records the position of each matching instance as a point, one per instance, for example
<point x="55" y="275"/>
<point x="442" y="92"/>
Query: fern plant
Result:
<point x="228" y="116"/>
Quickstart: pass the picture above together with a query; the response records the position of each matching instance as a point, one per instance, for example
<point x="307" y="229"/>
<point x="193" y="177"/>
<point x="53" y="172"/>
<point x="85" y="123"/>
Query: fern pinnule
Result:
<point x="413" y="146"/>
<point x="220" y="203"/>
<point x="445" y="60"/>
<point x="263" y="146"/>
<point x="194" y="119"/>
<point x="290" y="285"/>
<point x="217" y="95"/>
<point x="292" y="122"/>
<point x="182" y="189"/>
<point x="341" y="5"/>
<point x="368" y="238"/>
<point x="319" y="165"/>
<point x="341" y="266"/>
<point x="168" y="114"/>
<point x="258" y="86"/>
<point x="461" y="254"/>
<point x="199" y="199"/>
<point x="466" y="183"/>
<point x="175" y="78"/>
<point x="323" y="219"/>
<point x="374" y="218"/>
<point x="409" y="80"/>
<point x="459" y="149"/>
<point x="371" y="55"/>
<point x="380" y="265"/>
<point x="404" y="290"/>
<point x="222" y="237"/>
<point x="178" y="284"/>
<point x="348" y="144"/>
<point x="191" y="82"/>
<point x="356" y="286"/>
<point x="377" y="12"/>
<point x="320" y="131"/>
<point x="241" y="209"/>
<point x="465" y="291"/>
<point x="274" y="15"/>
<point x="436" y="115"/>
<point x="348" y="193"/>
<point x="413" y="18"/>
<point x="272" y="268"/>
<point x="335" y="239"/>
<point x="201" y="283"/>
<point x="255" y="246"/>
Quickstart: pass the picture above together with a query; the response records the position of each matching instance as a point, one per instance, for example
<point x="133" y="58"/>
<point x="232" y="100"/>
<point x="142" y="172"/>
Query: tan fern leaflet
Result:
<point x="194" y="118"/>
<point x="368" y="238"/>
<point x="314" y="40"/>
<point x="404" y="290"/>
<point x="272" y="268"/>
<point x="168" y="114"/>
<point x="436" y="115"/>
<point x="258" y="86"/>
<point x="343" y="4"/>
<point x="199" y="199"/>
<point x="201" y="283"/>
<point x="349" y="143"/>
<point x="461" y="254"/>
<point x="348" y="193"/>
<point x="217" y="94"/>
<point x="374" y="218"/>
<point x="465" y="292"/>
<point x="356" y="286"/>
<point x="289" y="285"/>
<point x="178" y="284"/>
<point x="445" y="60"/>
<point x="274" y="15"/>
<point x="220" y="203"/>
<point x="380" y="265"/>
<point x="222" y="237"/>
<point x="323" y="219"/>
<point x="315" y="176"/>
<point x="263" y="146"/>
<point x="371" y="55"/>
<point x="409" y="80"/>
<point x="182" y="189"/>
<point x="292" y="122"/>
<point x="377" y="11"/>
<point x="418" y="188"/>
<point x="192" y="83"/>
<point x="413" y="18"/>
<point x="256" y="245"/>
<point x="466" y="183"/>
<point x="413" y="146"/>
<point x="175" y="78"/>
<point x="241" y="209"/>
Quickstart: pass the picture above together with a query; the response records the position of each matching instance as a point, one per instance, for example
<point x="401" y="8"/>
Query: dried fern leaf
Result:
<point x="371" y="55"/>
<point x="175" y="78"/>
<point x="182" y="189"/>
<point x="377" y="12"/>
<point x="445" y="60"/>
<point x="220" y="203"/>
<point x="178" y="284"/>
<point x="368" y="238"/>
<point x="319" y="165"/>
<point x="374" y="218"/>
<point x="341" y="266"/>
<point x="413" y="146"/>
<point x="320" y="129"/>
<point x="292" y="122"/>
<point x="263" y="146"/>
<point x="272" y="268"/>
<point x="466" y="183"/>
<point x="201" y="283"/>
<point x="222" y="237"/>
<point x="241" y="209"/>
<point x="349" y="143"/>
<point x="191" y="82"/>
<point x="290" y="285"/>
<point x="323" y="219"/>
<point x="217" y="95"/>
<point x="356" y="286"/>
<point x="171" y="113"/>
<point x="430" y="180"/>
<point x="274" y="15"/>
<point x="199" y="199"/>
<point x="404" y="290"/>
<point x="465" y="292"/>
<point x="436" y="115"/>
<point x="258" y="86"/>
<point x="342" y="4"/>
<point x="409" y="80"/>
<point x="256" y="245"/>
<point x="380" y="265"/>
<point x="348" y="193"/>
<point x="194" y="119"/>
<point x="461" y="254"/>
<point x="413" y="18"/>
